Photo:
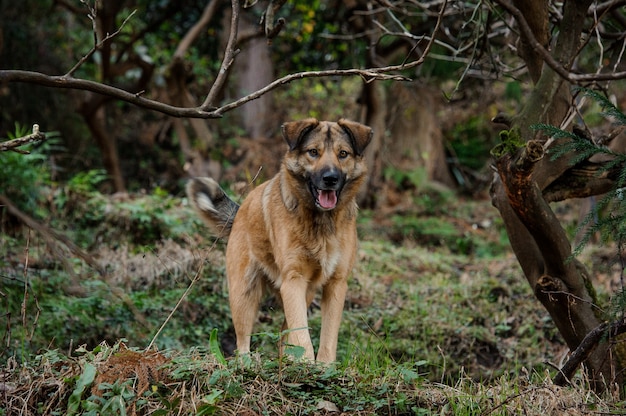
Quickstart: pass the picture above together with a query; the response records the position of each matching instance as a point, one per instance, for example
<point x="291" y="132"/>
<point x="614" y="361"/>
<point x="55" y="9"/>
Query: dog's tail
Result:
<point x="216" y="209"/>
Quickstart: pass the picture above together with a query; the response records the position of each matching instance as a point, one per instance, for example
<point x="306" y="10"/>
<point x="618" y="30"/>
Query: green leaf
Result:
<point x="214" y="347"/>
<point x="84" y="381"/>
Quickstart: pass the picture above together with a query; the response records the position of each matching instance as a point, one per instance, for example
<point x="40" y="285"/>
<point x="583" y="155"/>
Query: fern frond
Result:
<point x="554" y="131"/>
<point x="581" y="147"/>
<point x="610" y="110"/>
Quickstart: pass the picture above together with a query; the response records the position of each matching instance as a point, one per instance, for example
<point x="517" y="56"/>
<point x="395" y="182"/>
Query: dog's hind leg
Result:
<point x="245" y="296"/>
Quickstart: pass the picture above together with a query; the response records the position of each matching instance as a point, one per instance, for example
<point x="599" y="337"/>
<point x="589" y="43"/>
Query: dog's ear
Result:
<point x="360" y="134"/>
<point x="294" y="131"/>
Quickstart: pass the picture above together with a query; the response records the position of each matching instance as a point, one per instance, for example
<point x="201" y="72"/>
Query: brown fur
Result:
<point x="294" y="234"/>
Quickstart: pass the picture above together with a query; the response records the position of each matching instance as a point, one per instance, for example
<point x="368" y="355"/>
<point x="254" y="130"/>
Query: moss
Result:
<point x="510" y="142"/>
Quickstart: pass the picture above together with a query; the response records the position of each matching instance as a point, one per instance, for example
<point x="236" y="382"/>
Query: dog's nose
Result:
<point x="331" y="178"/>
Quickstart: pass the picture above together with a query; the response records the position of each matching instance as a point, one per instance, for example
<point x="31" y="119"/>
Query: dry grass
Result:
<point x="194" y="382"/>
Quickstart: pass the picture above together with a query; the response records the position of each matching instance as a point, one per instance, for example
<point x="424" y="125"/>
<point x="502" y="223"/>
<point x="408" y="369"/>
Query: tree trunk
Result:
<point x="178" y="94"/>
<point x="523" y="187"/>
<point x="540" y="243"/>
<point x="374" y="114"/>
<point x="254" y="70"/>
<point x="417" y="140"/>
<point x="96" y="121"/>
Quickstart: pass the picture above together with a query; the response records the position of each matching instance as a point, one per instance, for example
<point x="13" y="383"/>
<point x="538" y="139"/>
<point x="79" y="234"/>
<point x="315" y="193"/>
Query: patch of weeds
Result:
<point x="94" y="219"/>
<point x="471" y="142"/>
<point x="443" y="312"/>
<point x="406" y="179"/>
<point x="198" y="381"/>
<point x="24" y="177"/>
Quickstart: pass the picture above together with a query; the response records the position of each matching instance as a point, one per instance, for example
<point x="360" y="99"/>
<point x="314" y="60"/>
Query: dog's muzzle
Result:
<point x="325" y="186"/>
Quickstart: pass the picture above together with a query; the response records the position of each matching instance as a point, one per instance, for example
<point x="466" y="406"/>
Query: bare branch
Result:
<point x="229" y="58"/>
<point x="585" y="348"/>
<point x="194" y="32"/>
<point x="547" y="56"/>
<point x="367" y="74"/>
<point x="100" y="88"/>
<point x="273" y="29"/>
<point x="97" y="45"/>
<point x="205" y="110"/>
<point x="35" y="136"/>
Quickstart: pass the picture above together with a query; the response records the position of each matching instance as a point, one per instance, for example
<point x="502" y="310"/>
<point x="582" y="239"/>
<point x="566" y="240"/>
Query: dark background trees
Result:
<point x="200" y="75"/>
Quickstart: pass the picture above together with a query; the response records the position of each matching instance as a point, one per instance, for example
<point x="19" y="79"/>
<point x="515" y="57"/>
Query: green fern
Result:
<point x="581" y="147"/>
<point x="611" y="225"/>
<point x="610" y="110"/>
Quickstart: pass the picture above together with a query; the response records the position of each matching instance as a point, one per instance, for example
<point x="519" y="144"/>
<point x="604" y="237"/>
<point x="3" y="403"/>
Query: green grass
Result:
<point x="430" y="326"/>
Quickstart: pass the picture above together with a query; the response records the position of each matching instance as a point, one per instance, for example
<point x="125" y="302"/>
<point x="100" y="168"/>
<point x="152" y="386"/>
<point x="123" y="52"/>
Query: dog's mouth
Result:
<point x="325" y="199"/>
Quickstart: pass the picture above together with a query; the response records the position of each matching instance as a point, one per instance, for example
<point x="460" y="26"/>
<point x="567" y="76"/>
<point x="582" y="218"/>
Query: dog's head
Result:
<point x="328" y="157"/>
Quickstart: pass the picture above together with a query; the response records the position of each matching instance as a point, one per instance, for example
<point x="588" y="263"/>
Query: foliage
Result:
<point x="609" y="213"/>
<point x="510" y="142"/>
<point x="471" y="141"/>
<point x="194" y="382"/>
<point x="420" y="323"/>
<point x="607" y="217"/>
<point x="24" y="176"/>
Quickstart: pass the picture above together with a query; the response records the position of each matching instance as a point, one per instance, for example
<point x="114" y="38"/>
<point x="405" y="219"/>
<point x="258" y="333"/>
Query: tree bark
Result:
<point x="526" y="181"/>
<point x="536" y="14"/>
<point x="561" y="284"/>
<point x="374" y="114"/>
<point x="416" y="132"/>
<point x="253" y="70"/>
<point x="96" y="122"/>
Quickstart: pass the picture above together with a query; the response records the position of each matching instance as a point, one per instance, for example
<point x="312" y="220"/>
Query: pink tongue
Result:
<point x="328" y="199"/>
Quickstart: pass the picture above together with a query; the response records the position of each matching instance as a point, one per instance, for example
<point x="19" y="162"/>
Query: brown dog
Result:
<point x="295" y="233"/>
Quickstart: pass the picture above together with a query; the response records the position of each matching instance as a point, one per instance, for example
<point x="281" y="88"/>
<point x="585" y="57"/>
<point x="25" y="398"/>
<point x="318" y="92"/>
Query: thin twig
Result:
<point x="547" y="56"/>
<point x="205" y="111"/>
<point x="229" y="58"/>
<point x="180" y="300"/>
<point x="97" y="45"/>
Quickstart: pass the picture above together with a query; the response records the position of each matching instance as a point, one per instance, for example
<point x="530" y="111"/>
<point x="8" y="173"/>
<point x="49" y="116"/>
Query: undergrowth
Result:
<point x="436" y="322"/>
<point x="118" y="380"/>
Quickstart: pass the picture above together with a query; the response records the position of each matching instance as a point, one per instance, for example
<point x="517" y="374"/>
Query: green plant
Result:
<point x="23" y="176"/>
<point x="404" y="179"/>
<point x="84" y="381"/>
<point x="608" y="216"/>
<point x="114" y="399"/>
<point x="471" y="141"/>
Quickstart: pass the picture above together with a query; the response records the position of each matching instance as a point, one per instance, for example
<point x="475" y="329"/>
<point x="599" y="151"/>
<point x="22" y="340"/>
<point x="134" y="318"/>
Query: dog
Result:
<point x="295" y="233"/>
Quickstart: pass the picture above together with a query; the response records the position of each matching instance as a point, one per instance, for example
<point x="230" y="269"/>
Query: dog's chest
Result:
<point x="327" y="253"/>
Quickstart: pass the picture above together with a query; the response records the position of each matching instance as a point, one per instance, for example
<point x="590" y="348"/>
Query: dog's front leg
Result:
<point x="333" y="298"/>
<point x="293" y="292"/>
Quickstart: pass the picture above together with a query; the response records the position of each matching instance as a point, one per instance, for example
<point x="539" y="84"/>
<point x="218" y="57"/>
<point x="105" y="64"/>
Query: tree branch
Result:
<point x="370" y="74"/>
<point x="229" y="57"/>
<point x="206" y="111"/>
<point x="100" y="88"/>
<point x="585" y="348"/>
<point x="547" y="56"/>
<point x="97" y="45"/>
<point x="50" y="234"/>
<point x="194" y="32"/>
<point x="35" y="136"/>
<point x="583" y="180"/>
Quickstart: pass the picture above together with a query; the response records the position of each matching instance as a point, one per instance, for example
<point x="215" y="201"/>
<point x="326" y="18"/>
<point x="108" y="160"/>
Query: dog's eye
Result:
<point x="343" y="154"/>
<point x="313" y="152"/>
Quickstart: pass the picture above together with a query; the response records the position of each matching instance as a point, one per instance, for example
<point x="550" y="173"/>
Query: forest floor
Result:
<point x="134" y="320"/>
